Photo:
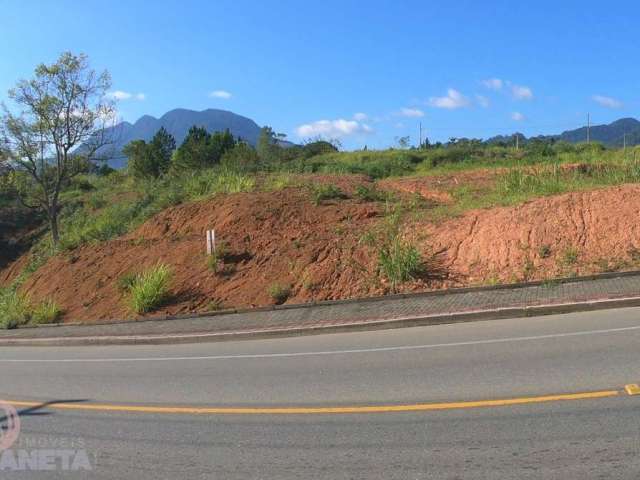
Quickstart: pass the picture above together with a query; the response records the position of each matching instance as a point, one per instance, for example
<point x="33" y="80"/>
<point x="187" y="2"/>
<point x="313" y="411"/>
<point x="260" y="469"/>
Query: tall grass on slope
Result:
<point x="398" y="260"/>
<point x="209" y="182"/>
<point x="521" y="183"/>
<point x="17" y="309"/>
<point x="150" y="288"/>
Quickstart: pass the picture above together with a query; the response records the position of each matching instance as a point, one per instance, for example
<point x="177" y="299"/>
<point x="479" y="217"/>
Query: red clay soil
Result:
<point x="271" y="238"/>
<point x="282" y="238"/>
<point x="569" y="234"/>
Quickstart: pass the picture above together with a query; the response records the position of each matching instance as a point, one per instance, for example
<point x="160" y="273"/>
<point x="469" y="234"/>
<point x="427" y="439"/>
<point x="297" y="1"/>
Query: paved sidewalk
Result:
<point x="605" y="291"/>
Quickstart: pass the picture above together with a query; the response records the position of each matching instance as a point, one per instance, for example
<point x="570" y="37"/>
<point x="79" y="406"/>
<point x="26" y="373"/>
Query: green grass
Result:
<point x="208" y="182"/>
<point x="569" y="256"/>
<point x="125" y="282"/>
<point x="215" y="260"/>
<point x="46" y="311"/>
<point x="398" y="260"/>
<point x="17" y="309"/>
<point x="322" y="192"/>
<point x="150" y="289"/>
<point x="366" y="193"/>
<point x="279" y="292"/>
<point x="544" y="251"/>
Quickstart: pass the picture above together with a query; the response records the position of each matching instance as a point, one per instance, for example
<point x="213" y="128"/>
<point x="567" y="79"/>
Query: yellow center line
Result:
<point x="419" y="407"/>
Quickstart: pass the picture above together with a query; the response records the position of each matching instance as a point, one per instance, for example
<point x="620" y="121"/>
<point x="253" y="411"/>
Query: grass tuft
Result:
<point x="321" y="193"/>
<point x="47" y="311"/>
<point x="398" y="260"/>
<point x="279" y="292"/>
<point x="17" y="309"/>
<point x="150" y="288"/>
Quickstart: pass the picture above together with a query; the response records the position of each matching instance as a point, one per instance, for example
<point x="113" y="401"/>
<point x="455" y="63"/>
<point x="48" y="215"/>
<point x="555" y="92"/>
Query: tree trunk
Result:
<point x="53" y="225"/>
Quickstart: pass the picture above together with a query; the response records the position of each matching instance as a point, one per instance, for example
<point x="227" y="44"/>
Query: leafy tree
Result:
<point x="403" y="142"/>
<point x="318" y="147"/>
<point x="241" y="157"/>
<point x="192" y="153"/>
<point x="267" y="146"/>
<point x="162" y="144"/>
<point x="150" y="160"/>
<point x="59" y="128"/>
<point x="201" y="150"/>
<point x="219" y="143"/>
<point x="140" y="160"/>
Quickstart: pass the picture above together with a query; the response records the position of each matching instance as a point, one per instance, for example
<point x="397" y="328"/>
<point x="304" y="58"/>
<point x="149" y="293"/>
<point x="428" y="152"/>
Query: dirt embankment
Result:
<point x="283" y="238"/>
<point x="270" y="238"/>
<point x="574" y="233"/>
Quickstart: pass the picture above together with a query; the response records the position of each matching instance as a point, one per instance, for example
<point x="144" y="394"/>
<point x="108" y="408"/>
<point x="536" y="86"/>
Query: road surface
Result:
<point x="520" y="398"/>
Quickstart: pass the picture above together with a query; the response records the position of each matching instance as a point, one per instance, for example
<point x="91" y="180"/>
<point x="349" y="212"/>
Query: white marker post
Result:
<point x="211" y="242"/>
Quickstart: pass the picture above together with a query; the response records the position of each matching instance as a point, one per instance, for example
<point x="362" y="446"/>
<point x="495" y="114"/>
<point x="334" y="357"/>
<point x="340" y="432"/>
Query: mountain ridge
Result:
<point x="611" y="134"/>
<point x="177" y="122"/>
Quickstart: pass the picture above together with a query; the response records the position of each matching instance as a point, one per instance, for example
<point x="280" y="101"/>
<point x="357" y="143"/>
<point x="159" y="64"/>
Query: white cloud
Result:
<point x="453" y="100"/>
<point x="517" y="116"/>
<point x="220" y="94"/>
<point x="411" y="112"/>
<point x="122" y="95"/>
<point x="521" y="92"/>
<point x="332" y="128"/>
<point x="483" y="101"/>
<point x="608" y="102"/>
<point x="360" y="117"/>
<point x="493" y="83"/>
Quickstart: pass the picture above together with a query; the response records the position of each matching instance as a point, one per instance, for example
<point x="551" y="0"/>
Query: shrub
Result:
<point x="279" y="292"/>
<point x="150" y="288"/>
<point x="241" y="158"/>
<point x="326" y="192"/>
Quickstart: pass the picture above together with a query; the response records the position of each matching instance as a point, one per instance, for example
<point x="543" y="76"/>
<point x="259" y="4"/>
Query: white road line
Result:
<point x="327" y="352"/>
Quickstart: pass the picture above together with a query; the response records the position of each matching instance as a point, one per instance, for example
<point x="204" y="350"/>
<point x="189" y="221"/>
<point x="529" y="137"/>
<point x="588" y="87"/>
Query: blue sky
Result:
<point x="363" y="71"/>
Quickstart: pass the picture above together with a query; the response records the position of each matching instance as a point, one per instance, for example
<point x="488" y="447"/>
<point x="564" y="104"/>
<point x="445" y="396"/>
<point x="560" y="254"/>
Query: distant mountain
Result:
<point x="177" y="122"/>
<point x="611" y="135"/>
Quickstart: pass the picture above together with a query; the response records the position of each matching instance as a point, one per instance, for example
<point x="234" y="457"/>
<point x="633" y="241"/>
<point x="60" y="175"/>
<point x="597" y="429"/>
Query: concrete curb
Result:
<point x="379" y="324"/>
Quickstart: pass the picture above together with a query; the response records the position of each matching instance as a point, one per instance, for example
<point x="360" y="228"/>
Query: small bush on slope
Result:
<point x="150" y="288"/>
<point x="280" y="293"/>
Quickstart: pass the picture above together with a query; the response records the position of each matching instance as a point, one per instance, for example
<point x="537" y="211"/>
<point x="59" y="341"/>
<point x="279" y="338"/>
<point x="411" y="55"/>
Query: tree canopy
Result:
<point x="56" y="129"/>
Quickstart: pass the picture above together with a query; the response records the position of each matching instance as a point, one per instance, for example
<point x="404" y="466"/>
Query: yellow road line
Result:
<point x="632" y="389"/>
<point x="420" y="407"/>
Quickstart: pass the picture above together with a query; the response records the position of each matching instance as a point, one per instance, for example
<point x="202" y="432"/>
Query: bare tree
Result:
<point x="58" y="128"/>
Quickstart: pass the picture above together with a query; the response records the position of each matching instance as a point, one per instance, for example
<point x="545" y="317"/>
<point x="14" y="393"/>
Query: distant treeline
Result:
<point x="201" y="149"/>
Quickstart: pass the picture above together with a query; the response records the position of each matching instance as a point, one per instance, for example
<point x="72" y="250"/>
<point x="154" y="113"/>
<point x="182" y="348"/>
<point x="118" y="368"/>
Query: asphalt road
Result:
<point x="67" y="395"/>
